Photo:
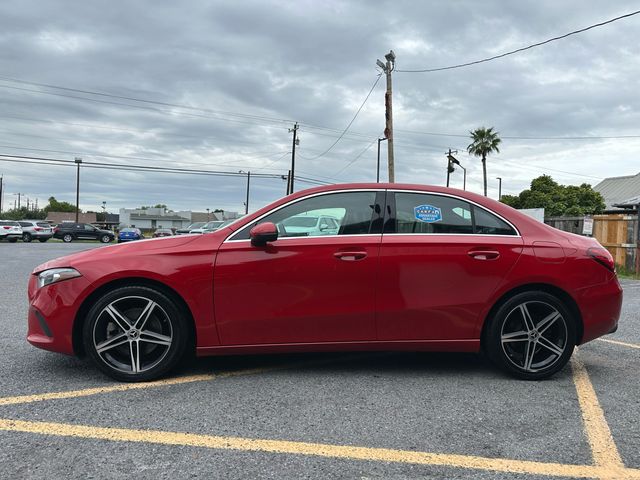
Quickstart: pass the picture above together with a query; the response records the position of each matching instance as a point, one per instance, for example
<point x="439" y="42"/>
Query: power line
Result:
<point x="512" y="52"/>
<point x="139" y="168"/>
<point x="352" y="120"/>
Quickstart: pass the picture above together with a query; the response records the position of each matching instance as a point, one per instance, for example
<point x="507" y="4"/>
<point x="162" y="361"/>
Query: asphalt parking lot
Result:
<point x="383" y="415"/>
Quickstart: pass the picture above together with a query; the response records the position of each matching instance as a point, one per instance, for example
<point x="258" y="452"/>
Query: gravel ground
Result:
<point x="439" y="403"/>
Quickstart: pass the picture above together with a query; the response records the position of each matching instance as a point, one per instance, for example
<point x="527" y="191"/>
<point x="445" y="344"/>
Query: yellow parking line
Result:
<point x="618" y="342"/>
<point x="318" y="450"/>
<point x="603" y="448"/>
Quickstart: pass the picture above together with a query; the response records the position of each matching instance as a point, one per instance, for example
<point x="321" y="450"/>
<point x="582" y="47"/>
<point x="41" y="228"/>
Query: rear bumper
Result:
<point x="600" y="307"/>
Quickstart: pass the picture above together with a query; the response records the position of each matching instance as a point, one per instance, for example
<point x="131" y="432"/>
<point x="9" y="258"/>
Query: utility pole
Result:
<point x="378" y="168"/>
<point x="293" y="156"/>
<point x="78" y="161"/>
<point x="388" y="103"/>
<point x="1" y="191"/>
<point x="246" y="204"/>
<point x="449" y="167"/>
<point x="499" y="188"/>
<point x="19" y="195"/>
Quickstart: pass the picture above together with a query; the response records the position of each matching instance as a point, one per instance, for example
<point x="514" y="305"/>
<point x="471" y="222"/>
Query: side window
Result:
<point x="426" y="213"/>
<point x="24" y="224"/>
<point x="89" y="227"/>
<point x="489" y="224"/>
<point x="348" y="213"/>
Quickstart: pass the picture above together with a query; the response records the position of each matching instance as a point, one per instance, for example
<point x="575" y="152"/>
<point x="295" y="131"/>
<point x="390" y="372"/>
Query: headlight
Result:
<point x="55" y="275"/>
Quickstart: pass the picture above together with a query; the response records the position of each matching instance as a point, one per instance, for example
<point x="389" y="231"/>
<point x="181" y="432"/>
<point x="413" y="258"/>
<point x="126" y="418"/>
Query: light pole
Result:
<point x="1" y="191"/>
<point x="208" y="217"/>
<point x="78" y="161"/>
<point x="499" y="188"/>
<point x="246" y="204"/>
<point x="387" y="68"/>
<point x="378" y="167"/>
<point x="452" y="159"/>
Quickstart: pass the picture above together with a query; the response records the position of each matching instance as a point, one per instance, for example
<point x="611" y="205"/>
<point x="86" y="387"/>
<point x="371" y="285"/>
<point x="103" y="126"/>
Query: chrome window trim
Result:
<point x="230" y="239"/>
<point x="457" y="197"/>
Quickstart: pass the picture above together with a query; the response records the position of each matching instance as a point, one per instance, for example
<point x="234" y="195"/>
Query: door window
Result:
<point x="348" y="213"/>
<point x="439" y="214"/>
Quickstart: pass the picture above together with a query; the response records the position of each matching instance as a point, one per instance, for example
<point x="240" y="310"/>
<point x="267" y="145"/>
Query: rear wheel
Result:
<point x="42" y="240"/>
<point x="67" y="237"/>
<point x="13" y="240"/>
<point x="532" y="335"/>
<point x="26" y="237"/>
<point x="135" y="334"/>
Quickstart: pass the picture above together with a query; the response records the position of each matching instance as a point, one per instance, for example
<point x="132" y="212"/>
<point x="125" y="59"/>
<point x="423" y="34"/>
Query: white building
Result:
<point x="152" y="218"/>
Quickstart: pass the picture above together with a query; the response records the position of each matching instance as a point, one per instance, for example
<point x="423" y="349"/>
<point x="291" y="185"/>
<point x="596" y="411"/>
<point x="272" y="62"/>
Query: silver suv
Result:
<point x="10" y="230"/>
<point x="35" y="229"/>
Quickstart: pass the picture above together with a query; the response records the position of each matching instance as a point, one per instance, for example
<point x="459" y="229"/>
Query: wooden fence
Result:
<point x="618" y="233"/>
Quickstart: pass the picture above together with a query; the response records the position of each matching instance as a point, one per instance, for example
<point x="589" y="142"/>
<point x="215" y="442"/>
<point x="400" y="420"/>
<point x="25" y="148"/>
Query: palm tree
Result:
<point x="485" y="141"/>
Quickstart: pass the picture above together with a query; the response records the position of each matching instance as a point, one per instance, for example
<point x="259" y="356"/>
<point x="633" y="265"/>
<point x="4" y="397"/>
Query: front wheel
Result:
<point x="105" y="238"/>
<point x="532" y="335"/>
<point x="67" y="238"/>
<point x="42" y="240"/>
<point x="135" y="334"/>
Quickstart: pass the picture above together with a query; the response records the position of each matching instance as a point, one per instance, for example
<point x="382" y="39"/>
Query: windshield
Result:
<point x="133" y="230"/>
<point x="195" y="225"/>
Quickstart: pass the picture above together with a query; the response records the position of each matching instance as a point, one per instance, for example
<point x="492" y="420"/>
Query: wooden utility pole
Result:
<point x="387" y="68"/>
<point x="78" y="161"/>
<point x="293" y="157"/>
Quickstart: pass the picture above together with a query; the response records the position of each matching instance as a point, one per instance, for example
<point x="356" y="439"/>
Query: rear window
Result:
<point x="43" y="224"/>
<point x="7" y="222"/>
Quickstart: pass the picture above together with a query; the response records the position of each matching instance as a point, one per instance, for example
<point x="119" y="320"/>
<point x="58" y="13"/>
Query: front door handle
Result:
<point x="350" y="256"/>
<point x="484" y="254"/>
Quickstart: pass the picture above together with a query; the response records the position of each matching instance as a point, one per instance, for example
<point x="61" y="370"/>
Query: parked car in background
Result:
<point x="36" y="230"/>
<point x="129" y="234"/>
<point x="310" y="225"/>
<point x="10" y="230"/>
<point x="184" y="231"/>
<point x="411" y="267"/>
<point x="211" y="226"/>
<point x="69" y="231"/>
<point x="163" y="232"/>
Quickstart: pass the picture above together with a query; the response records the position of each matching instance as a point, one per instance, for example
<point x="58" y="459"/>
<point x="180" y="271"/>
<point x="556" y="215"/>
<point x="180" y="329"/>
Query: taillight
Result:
<point x="603" y="257"/>
<point x="55" y="229"/>
<point x="37" y="229"/>
<point x="6" y="227"/>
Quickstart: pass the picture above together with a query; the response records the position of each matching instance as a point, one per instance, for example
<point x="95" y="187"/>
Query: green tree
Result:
<point x="557" y="199"/>
<point x="56" y="206"/>
<point x="484" y="142"/>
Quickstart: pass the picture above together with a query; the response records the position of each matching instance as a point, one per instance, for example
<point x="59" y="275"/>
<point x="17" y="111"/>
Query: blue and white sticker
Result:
<point x="427" y="213"/>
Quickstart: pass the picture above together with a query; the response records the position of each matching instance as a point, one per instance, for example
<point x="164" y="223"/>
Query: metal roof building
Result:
<point x="619" y="191"/>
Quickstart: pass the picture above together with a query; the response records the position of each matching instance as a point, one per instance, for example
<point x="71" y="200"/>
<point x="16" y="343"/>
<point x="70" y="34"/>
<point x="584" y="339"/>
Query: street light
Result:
<point x="499" y="188"/>
<point x="208" y="217"/>
<point x="378" y="167"/>
<point x="452" y="159"/>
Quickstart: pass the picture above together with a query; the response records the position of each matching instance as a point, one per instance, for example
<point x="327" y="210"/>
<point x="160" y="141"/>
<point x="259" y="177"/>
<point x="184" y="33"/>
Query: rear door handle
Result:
<point x="484" y="254"/>
<point x="350" y="256"/>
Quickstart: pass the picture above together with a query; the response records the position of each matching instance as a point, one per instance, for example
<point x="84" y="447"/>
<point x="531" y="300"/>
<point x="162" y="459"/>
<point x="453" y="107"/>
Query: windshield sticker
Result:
<point x="427" y="213"/>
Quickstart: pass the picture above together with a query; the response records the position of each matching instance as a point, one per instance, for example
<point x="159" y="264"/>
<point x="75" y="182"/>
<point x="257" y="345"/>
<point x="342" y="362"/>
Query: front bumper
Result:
<point x="52" y="312"/>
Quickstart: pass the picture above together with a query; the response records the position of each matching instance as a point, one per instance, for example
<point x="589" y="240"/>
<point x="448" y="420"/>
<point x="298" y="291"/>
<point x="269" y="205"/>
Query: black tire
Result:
<point x="26" y="237"/>
<point x="13" y="240"/>
<point x="105" y="238"/>
<point x="67" y="237"/>
<point x="532" y="335"/>
<point x="135" y="354"/>
<point x="42" y="240"/>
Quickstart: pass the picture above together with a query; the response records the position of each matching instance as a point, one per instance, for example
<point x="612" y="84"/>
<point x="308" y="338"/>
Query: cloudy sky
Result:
<point x="216" y="85"/>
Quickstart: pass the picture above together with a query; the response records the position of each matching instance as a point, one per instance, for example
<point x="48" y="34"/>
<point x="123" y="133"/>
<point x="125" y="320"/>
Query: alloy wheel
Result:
<point x="132" y="334"/>
<point x="534" y="336"/>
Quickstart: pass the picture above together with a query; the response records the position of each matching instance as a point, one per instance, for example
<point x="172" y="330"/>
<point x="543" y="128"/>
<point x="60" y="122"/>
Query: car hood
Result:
<point x="105" y="253"/>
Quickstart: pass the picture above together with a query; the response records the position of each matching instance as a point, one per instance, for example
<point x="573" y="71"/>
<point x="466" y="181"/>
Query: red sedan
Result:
<point x="405" y="267"/>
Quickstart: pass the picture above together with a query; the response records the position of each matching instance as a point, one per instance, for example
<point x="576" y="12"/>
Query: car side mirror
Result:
<point x="263" y="233"/>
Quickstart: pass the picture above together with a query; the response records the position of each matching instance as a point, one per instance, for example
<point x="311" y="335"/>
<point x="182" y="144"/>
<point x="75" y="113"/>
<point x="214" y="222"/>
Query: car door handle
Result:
<point x="350" y="256"/>
<point x="484" y="254"/>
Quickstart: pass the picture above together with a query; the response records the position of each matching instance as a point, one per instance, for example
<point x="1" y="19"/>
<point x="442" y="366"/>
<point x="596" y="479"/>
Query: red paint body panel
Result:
<point x="382" y="292"/>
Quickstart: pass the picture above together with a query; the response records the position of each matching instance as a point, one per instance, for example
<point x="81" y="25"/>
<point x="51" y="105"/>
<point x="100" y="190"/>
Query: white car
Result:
<point x="310" y="225"/>
<point x="208" y="227"/>
<point x="10" y="230"/>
